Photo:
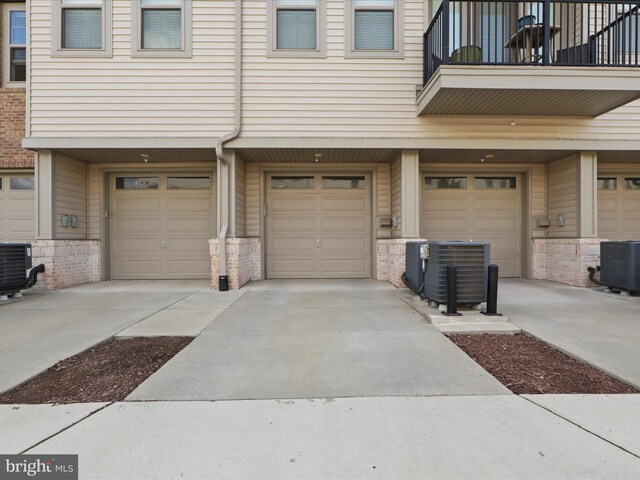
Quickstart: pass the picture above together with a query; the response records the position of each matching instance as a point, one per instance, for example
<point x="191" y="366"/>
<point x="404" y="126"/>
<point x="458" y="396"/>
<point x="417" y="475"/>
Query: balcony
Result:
<point x="549" y="58"/>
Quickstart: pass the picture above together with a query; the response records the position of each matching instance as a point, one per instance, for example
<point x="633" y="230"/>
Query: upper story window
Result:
<point x="81" y="28"/>
<point x="297" y="28"/>
<point x="161" y="28"/>
<point x="14" y="41"/>
<point x="374" y="28"/>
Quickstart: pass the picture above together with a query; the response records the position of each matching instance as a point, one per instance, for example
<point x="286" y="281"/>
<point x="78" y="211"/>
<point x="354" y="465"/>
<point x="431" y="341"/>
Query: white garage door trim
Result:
<point x="619" y="206"/>
<point x="319" y="225"/>
<point x="160" y="224"/>
<point x="17" y="207"/>
<point x="454" y="207"/>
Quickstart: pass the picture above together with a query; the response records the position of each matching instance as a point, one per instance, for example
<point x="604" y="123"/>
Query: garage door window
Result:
<point x="343" y="182"/>
<point x="188" y="183"/>
<point x="22" y="183"/>
<point x="483" y="183"/>
<point x="632" y="183"/>
<point x="608" y="183"/>
<point x="292" y="183"/>
<point x="137" y="183"/>
<point x="433" y="183"/>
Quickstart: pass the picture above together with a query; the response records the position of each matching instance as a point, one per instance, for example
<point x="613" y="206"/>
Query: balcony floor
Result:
<point x="528" y="90"/>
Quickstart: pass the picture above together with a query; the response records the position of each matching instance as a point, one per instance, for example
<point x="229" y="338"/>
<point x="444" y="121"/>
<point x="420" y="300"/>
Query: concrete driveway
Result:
<point x="44" y="328"/>
<point x="285" y="339"/>
<point x="602" y="329"/>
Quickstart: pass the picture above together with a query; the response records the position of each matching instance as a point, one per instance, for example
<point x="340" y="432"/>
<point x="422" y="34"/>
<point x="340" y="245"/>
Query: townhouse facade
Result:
<point x="17" y="186"/>
<point x="243" y="140"/>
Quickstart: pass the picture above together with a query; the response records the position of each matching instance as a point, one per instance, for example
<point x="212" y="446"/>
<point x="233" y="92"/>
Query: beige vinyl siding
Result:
<point x="383" y="198"/>
<point x="562" y="196"/>
<point x="341" y="97"/>
<point x="538" y="198"/>
<point x="70" y="196"/>
<point x="135" y="97"/>
<point x="252" y="195"/>
<point x="396" y="195"/>
<point x="240" y="198"/>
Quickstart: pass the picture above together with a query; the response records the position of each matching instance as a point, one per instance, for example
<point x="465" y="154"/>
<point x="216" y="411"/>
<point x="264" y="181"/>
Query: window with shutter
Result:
<point x="81" y="28"/>
<point x="161" y="28"/>
<point x="374" y="28"/>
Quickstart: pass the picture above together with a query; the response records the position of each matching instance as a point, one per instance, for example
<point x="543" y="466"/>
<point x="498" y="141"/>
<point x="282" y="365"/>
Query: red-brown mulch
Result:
<point x="105" y="373"/>
<point x="526" y="365"/>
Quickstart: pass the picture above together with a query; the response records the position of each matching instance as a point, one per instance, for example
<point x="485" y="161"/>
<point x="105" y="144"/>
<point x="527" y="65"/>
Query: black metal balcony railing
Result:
<point x="547" y="32"/>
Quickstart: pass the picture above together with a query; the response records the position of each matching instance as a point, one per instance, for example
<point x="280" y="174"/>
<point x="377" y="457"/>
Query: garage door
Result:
<point x="619" y="207"/>
<point x="318" y="226"/>
<point x="17" y="208"/>
<point x="480" y="208"/>
<point x="160" y="226"/>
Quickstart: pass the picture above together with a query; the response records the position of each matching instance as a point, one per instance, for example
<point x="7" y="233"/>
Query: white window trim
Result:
<point x="186" y="32"/>
<point x="56" y="32"/>
<point x="321" y="31"/>
<point x="398" y="32"/>
<point x="5" y="74"/>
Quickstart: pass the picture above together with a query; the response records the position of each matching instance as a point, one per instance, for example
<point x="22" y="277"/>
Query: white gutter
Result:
<point x="222" y="159"/>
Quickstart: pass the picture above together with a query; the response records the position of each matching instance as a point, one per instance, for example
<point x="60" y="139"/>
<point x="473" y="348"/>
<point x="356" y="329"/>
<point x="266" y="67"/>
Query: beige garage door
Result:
<point x="160" y="226"/>
<point x="476" y="207"/>
<point x="318" y="226"/>
<point x="619" y="207"/>
<point x="17" y="208"/>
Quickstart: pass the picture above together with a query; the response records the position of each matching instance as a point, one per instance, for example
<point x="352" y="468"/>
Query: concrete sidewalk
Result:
<point x="278" y="342"/>
<point x="601" y="329"/>
<point x="492" y="437"/>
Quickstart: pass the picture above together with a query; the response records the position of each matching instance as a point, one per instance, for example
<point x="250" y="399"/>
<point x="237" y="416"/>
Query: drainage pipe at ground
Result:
<point x="223" y="161"/>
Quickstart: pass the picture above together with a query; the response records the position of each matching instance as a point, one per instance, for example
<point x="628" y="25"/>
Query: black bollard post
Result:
<point x="452" y="291"/>
<point x="492" y="292"/>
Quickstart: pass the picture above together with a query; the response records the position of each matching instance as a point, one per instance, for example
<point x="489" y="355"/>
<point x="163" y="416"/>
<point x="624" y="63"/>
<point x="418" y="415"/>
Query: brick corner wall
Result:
<point x="67" y="263"/>
<point x="565" y="260"/>
<point x="244" y="261"/>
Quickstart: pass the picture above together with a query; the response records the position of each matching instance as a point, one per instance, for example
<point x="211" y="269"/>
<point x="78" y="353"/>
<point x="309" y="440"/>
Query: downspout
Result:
<point x="223" y="279"/>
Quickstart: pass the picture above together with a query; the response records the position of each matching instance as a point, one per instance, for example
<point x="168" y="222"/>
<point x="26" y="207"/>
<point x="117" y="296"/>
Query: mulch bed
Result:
<point x="105" y="373"/>
<point x="526" y="365"/>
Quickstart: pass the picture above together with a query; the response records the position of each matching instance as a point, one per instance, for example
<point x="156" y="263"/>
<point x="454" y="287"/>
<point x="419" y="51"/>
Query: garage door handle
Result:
<point x="318" y="243"/>
<point x="163" y="244"/>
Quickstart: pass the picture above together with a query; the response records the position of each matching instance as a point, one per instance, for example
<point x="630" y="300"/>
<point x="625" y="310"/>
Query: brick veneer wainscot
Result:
<point x="67" y="262"/>
<point x="12" y="127"/>
<point x="244" y="261"/>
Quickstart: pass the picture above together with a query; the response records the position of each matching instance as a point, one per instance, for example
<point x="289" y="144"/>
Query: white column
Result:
<point x="45" y="195"/>
<point x="587" y="195"/>
<point x="410" y="174"/>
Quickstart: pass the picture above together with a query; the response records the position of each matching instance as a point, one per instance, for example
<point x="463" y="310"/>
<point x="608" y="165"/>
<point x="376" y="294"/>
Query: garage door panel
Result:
<point x="631" y="225"/>
<point x="446" y="203"/>
<point x="619" y="210"/>
<point x="293" y="224"/>
<point x="133" y="267"/>
<point x="344" y="204"/>
<point x="137" y="225"/>
<point x="133" y="205"/>
<point x="292" y="204"/>
<point x="495" y="204"/>
<point x="494" y="223"/>
<point x="161" y="234"/>
<point x="331" y="224"/>
<point x="131" y="245"/>
<point x="508" y="265"/>
<point x="453" y="224"/>
<point x="631" y="205"/>
<point x="607" y="205"/>
<point x="187" y="268"/>
<point x="199" y="226"/>
<point x="345" y="266"/>
<point x="337" y="244"/>
<point x="285" y="267"/>
<point x="188" y="205"/>
<point x="17" y="213"/>
<point x="306" y="229"/>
